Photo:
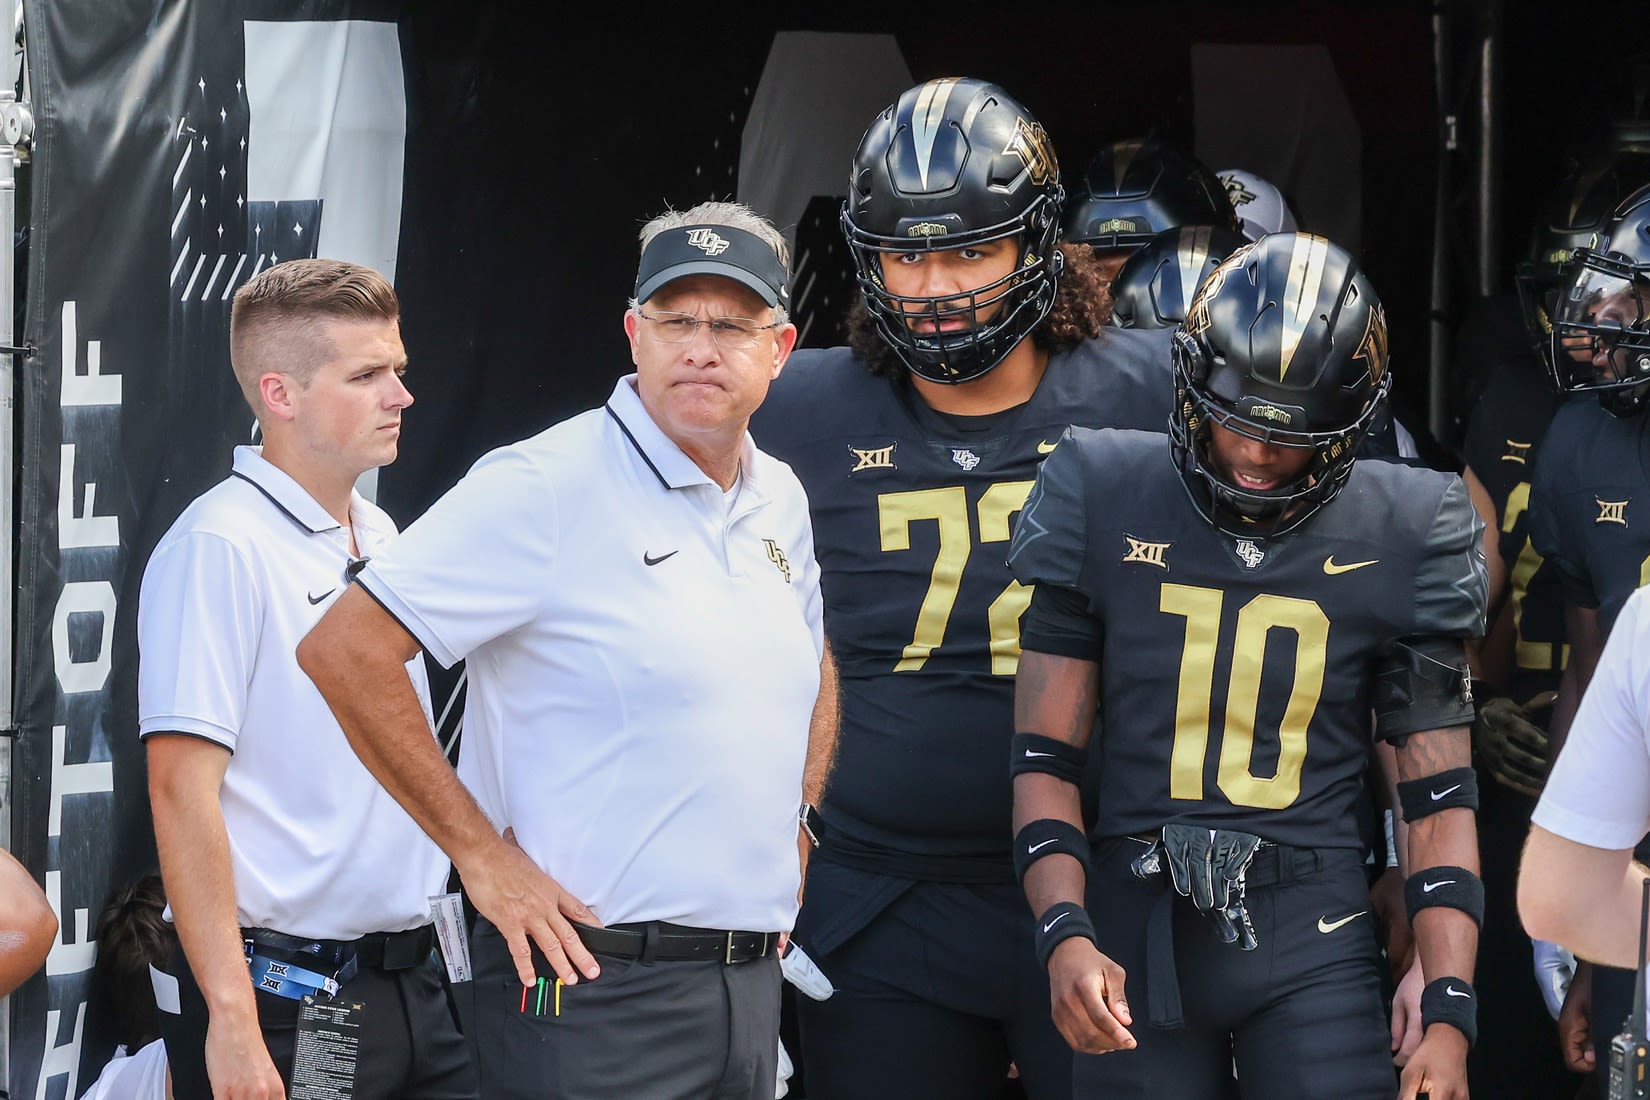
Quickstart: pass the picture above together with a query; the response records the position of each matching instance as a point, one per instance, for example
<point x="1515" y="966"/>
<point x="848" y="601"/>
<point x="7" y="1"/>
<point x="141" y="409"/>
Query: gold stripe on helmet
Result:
<point x="1123" y="155"/>
<point x="1193" y="249"/>
<point x="1300" y="294"/>
<point x="927" y="120"/>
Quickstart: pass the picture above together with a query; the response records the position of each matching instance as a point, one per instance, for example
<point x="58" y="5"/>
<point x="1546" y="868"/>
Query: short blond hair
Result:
<point x="276" y="321"/>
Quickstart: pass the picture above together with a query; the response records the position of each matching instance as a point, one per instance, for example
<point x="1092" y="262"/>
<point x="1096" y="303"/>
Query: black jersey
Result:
<point x="1590" y="505"/>
<point x="1236" y="674"/>
<point x="912" y="513"/>
<point x="1509" y="420"/>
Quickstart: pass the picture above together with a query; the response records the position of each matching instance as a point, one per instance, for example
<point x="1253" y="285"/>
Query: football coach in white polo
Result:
<point x="635" y="596"/>
<point x="289" y="872"/>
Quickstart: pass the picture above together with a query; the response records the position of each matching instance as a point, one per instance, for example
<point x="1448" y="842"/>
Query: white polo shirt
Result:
<point x="319" y="849"/>
<point x="642" y="660"/>
<point x="1599" y="791"/>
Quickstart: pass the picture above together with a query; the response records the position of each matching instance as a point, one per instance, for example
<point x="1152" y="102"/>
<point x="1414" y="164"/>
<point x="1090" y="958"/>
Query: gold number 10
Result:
<point x="948" y="507"/>
<point x="1201" y="608"/>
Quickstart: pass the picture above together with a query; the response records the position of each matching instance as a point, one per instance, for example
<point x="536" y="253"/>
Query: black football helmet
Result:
<point x="1578" y="215"/>
<point x="954" y="163"/>
<point x="1285" y="342"/>
<point x="1156" y="284"/>
<point x="1134" y="190"/>
<point x="1601" y="327"/>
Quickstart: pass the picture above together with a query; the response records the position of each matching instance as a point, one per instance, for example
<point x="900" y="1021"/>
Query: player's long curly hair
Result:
<point x="1082" y="308"/>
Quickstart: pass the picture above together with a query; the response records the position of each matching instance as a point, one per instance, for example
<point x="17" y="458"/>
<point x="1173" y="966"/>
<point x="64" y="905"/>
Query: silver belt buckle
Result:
<point x="727" y="955"/>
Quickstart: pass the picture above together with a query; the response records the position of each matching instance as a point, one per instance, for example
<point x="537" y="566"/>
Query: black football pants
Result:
<point x="936" y="994"/>
<point x="1301" y="1016"/>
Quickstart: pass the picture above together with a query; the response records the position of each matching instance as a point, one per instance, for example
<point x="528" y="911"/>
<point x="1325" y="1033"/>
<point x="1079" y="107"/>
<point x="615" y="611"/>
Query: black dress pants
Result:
<point x="410" y="1042"/>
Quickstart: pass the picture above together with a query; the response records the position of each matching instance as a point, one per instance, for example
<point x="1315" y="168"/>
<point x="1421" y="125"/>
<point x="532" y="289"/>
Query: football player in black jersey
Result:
<point x="976" y="341"/>
<point x="1136" y="188"/>
<point x="1156" y="283"/>
<point x="1525" y="650"/>
<point x="1237" y="598"/>
<point x="1592" y="479"/>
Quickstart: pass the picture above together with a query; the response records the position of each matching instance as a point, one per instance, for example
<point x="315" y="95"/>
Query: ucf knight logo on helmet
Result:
<point x="1031" y="145"/>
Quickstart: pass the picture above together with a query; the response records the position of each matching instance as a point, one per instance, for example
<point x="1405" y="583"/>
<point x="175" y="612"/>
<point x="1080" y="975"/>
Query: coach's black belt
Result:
<point x="667" y="942"/>
<point x="374" y="951"/>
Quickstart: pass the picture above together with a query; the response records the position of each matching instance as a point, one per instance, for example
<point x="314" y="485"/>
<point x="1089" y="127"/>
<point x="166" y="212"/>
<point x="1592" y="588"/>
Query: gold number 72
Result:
<point x="948" y="508"/>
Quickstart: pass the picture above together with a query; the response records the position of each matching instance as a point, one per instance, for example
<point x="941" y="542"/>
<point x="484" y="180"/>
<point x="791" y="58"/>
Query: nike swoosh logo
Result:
<point x="649" y="559"/>
<point x="1031" y="752"/>
<point x="1436" y="795"/>
<point x="1453" y="992"/>
<point x="1328" y="926"/>
<point x="313" y="600"/>
<point x="1429" y="887"/>
<point x="1334" y="570"/>
<point x="1056" y="921"/>
<point x="1045" y="447"/>
<point x="1031" y="850"/>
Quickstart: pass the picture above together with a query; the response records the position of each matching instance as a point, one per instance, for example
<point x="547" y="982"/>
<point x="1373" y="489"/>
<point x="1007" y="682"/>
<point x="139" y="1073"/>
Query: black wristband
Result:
<point x="1032" y="752"/>
<point x="1445" y="791"/>
<point x="1452" y="887"/>
<point x="1048" y="836"/>
<point x="1061" y="921"/>
<point x="1451" y="1001"/>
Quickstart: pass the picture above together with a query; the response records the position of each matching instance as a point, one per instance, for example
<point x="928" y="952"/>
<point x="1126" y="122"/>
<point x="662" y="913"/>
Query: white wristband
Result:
<point x="1391" y="845"/>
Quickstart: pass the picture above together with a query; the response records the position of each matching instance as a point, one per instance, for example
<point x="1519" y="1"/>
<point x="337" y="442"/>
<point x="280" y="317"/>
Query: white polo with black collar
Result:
<point x="643" y="662"/>
<point x="319" y="848"/>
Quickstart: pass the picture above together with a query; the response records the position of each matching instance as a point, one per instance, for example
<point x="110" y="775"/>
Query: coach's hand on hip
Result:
<point x="524" y="903"/>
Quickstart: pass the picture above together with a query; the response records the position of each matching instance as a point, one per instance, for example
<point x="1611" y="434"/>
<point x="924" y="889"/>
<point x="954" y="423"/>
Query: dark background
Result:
<point x="541" y="152"/>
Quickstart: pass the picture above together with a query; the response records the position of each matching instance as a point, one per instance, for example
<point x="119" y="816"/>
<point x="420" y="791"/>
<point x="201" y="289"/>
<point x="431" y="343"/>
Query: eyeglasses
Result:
<point x="728" y="333"/>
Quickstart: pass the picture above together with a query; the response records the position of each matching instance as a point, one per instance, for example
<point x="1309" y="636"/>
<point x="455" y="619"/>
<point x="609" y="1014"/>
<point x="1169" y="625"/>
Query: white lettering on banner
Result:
<point x="79" y="671"/>
<point x="93" y="387"/>
<point x="60" y="1060"/>
<point x="95" y="777"/>
<point x="80" y="952"/>
<point x="83" y="598"/>
<point x="84" y="529"/>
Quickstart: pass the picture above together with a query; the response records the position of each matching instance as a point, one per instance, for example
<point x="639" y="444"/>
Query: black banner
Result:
<point x="151" y="203"/>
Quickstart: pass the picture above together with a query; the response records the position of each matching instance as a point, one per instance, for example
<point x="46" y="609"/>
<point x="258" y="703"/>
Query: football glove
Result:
<point x="1511" y="744"/>
<point x="1208" y="866"/>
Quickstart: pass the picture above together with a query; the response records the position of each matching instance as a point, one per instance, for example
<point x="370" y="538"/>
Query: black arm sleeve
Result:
<point x="1421" y="684"/>
<point x="1059" y="622"/>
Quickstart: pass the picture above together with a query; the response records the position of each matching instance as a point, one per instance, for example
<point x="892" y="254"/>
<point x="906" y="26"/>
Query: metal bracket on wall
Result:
<point x="17" y="127"/>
